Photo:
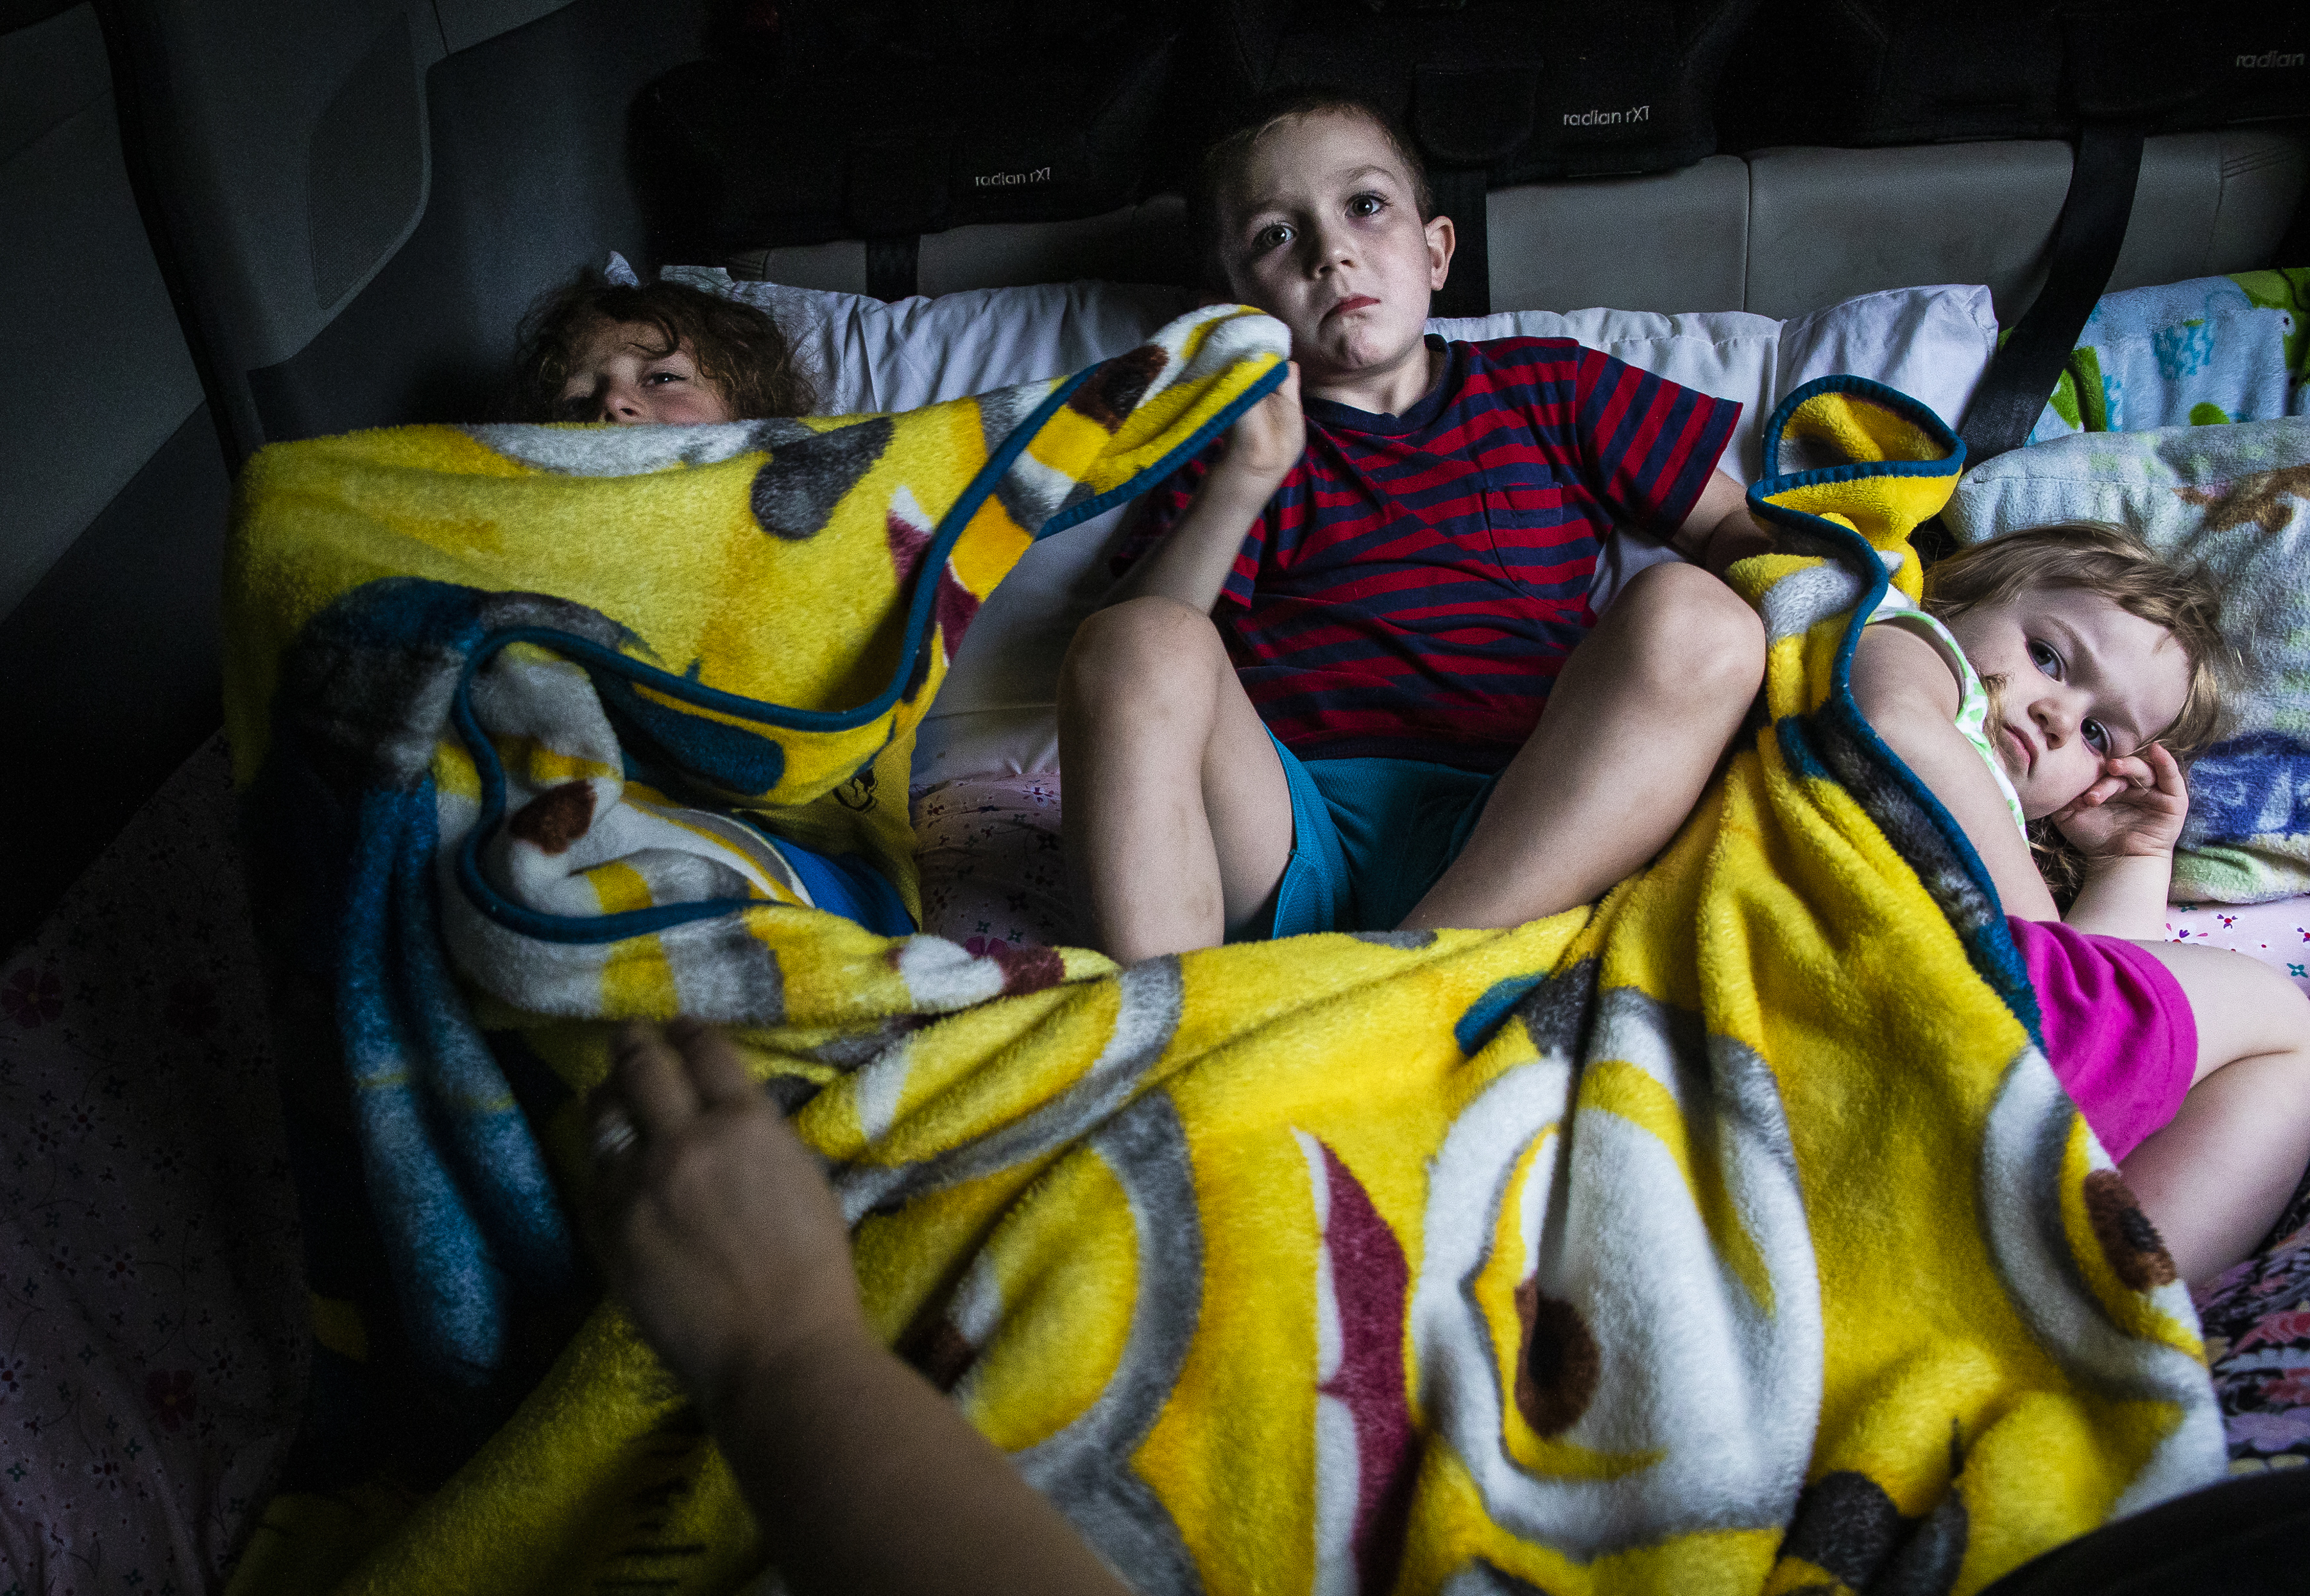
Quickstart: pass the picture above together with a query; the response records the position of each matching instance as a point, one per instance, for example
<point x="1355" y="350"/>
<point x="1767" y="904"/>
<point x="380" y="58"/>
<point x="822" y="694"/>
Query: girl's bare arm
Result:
<point x="1905" y="690"/>
<point x="1720" y="530"/>
<point x="2127" y="824"/>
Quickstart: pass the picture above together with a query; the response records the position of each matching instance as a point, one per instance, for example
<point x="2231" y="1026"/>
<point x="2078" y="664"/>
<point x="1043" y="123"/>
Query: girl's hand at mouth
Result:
<point x="2134" y="808"/>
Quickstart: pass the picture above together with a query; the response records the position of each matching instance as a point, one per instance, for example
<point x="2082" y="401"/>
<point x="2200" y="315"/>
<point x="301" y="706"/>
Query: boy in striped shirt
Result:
<point x="1351" y="679"/>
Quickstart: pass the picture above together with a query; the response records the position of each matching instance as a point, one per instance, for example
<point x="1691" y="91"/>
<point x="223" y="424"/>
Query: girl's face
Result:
<point x="2085" y="681"/>
<point x="615" y="377"/>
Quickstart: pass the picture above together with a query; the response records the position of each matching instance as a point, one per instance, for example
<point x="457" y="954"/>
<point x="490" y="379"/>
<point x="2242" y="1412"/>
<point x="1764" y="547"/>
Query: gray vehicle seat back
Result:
<point x="1778" y="232"/>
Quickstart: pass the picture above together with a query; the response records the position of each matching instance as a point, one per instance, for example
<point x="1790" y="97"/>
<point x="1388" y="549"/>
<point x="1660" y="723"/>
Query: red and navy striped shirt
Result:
<point x="1414" y="586"/>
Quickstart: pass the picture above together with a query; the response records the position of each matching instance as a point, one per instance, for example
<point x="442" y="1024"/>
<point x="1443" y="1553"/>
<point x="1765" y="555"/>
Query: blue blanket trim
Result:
<point x="463" y="1198"/>
<point x="1990" y="948"/>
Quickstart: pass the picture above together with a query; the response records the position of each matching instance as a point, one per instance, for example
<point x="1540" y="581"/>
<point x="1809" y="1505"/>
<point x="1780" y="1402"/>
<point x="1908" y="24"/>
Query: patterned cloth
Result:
<point x="993" y="874"/>
<point x="2257" y="1321"/>
<point x="2236" y="498"/>
<point x="152" y="1313"/>
<point x="2278" y="933"/>
<point x="1412" y="589"/>
<point x="2198" y="353"/>
<point x="524" y="716"/>
<point x="990" y="847"/>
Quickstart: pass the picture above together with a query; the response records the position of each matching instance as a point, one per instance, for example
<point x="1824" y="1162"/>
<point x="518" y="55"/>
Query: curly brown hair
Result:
<point x="739" y="348"/>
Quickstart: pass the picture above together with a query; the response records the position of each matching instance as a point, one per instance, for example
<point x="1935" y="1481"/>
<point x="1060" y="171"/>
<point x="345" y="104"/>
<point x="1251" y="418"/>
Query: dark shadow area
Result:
<point x="2242" y="1538"/>
<point x="111" y="663"/>
<point x="532" y="179"/>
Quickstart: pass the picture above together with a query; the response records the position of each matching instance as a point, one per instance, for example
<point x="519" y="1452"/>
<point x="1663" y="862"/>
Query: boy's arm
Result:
<point x="2126" y="825"/>
<point x="1192" y="563"/>
<point x="1906" y="688"/>
<point x="1720" y="529"/>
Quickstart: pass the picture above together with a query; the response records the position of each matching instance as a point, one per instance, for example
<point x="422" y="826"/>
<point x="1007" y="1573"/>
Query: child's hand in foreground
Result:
<point x="1266" y="443"/>
<point x="716" y="1226"/>
<point x="722" y="1237"/>
<point x="2133" y="811"/>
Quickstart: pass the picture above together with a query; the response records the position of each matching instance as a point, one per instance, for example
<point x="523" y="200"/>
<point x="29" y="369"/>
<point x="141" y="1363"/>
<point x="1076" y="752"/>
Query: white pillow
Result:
<point x="994" y="713"/>
<point x="1932" y="344"/>
<point x="873" y="357"/>
<point x="870" y="355"/>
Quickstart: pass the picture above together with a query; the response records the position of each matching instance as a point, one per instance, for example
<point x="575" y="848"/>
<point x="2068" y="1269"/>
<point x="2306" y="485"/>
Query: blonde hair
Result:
<point x="2183" y="600"/>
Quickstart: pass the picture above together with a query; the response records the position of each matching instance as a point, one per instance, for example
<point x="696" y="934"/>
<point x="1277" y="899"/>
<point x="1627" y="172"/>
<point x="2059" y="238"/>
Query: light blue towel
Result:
<point x="2208" y="350"/>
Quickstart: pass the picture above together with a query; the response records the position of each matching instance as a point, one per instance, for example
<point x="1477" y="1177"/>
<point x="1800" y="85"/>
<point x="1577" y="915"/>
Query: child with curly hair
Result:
<point x="651" y="353"/>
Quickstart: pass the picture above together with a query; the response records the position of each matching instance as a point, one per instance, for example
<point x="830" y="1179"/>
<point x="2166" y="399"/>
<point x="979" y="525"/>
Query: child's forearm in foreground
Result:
<point x="2127" y="825"/>
<point x="719" y="1233"/>
<point x="864" y="1479"/>
<point x="1192" y="561"/>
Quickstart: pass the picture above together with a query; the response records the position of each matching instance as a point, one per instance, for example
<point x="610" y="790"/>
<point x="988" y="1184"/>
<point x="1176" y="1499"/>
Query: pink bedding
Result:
<point x="152" y="1311"/>
<point x="2277" y="934"/>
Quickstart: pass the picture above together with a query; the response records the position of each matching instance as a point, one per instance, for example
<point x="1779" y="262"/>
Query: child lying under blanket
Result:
<point x="1353" y="679"/>
<point x="2057" y="673"/>
<point x="657" y="352"/>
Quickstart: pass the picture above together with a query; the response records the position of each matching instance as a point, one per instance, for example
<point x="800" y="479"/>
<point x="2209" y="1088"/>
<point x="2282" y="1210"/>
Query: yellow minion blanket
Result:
<point x="1733" y="1236"/>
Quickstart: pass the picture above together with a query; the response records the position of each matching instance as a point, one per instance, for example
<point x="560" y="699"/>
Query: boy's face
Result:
<point x="1322" y="232"/>
<point x="616" y="377"/>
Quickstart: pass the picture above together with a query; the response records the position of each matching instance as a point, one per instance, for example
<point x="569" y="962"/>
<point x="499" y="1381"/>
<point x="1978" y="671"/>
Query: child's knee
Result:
<point x="1692" y="631"/>
<point x="2244" y="1009"/>
<point x="1138" y="647"/>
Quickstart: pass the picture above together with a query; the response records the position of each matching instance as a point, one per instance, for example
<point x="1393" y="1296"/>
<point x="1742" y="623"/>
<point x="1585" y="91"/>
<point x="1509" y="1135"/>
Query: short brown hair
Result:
<point x="1226" y="157"/>
<point x="738" y="348"/>
<point x="2184" y="600"/>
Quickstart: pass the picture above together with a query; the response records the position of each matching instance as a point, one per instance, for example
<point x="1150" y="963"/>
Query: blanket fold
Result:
<point x="1732" y="1235"/>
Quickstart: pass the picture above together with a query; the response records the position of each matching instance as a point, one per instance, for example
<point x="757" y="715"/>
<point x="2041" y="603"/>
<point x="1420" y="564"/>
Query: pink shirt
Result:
<point x="2118" y="1030"/>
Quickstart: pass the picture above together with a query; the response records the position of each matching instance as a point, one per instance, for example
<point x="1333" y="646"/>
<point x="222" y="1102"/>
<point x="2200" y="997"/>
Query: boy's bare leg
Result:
<point x="1634" y="726"/>
<point x="2216" y="1179"/>
<point x="1178" y="822"/>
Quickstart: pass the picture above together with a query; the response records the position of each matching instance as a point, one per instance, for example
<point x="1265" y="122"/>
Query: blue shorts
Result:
<point x="1368" y="838"/>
